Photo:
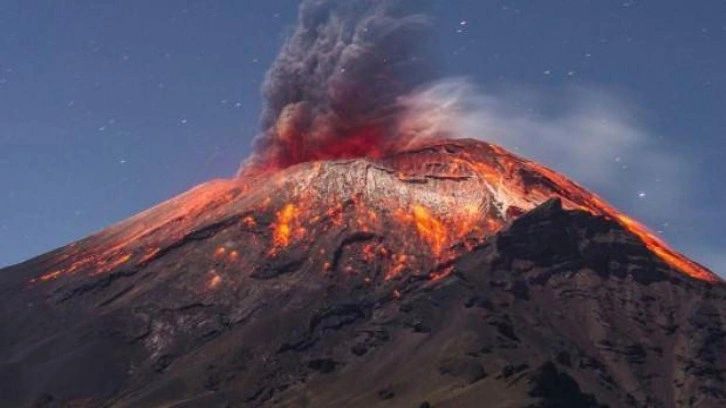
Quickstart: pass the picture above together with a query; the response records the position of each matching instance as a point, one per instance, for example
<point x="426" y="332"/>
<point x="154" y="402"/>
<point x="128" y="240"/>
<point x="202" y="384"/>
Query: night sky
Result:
<point x="107" y="108"/>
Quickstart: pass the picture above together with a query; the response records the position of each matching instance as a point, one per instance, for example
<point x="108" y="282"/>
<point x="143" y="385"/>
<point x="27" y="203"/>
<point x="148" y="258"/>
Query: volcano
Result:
<point x="439" y="276"/>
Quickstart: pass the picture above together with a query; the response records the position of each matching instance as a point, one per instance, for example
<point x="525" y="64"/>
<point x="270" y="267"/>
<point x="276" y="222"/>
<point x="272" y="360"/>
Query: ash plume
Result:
<point x="333" y="89"/>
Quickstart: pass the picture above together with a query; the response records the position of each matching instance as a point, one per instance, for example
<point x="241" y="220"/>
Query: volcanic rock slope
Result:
<point x="412" y="281"/>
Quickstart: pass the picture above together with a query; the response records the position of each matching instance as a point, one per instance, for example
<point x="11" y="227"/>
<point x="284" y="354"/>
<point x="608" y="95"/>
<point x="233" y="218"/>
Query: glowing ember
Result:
<point x="249" y="222"/>
<point x="214" y="280"/>
<point x="283" y="228"/>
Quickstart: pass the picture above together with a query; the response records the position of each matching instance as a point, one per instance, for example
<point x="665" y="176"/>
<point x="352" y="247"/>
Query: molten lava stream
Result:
<point x="577" y="197"/>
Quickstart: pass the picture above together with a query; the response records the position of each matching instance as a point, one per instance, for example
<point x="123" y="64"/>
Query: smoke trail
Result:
<point x="333" y="89"/>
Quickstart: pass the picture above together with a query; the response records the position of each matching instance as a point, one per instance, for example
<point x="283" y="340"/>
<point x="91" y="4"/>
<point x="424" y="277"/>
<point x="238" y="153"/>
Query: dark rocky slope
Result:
<point x="559" y="308"/>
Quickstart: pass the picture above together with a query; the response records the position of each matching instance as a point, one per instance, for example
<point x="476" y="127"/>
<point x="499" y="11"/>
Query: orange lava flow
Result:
<point x="429" y="228"/>
<point x="286" y="227"/>
<point x="660" y="248"/>
<point x="598" y="206"/>
<point x="440" y="233"/>
<point x="138" y="240"/>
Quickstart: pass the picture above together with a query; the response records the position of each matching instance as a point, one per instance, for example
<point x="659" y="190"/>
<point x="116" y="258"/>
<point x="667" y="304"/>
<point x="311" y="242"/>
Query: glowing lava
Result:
<point x="283" y="228"/>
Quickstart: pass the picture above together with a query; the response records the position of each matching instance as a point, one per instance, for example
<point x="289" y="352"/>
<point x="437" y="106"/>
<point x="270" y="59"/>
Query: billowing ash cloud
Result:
<point x="333" y="89"/>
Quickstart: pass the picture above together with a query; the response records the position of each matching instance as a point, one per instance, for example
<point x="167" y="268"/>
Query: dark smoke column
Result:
<point x="332" y="91"/>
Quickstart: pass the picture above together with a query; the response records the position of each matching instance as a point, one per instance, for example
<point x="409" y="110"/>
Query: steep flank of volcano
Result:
<point x="442" y="275"/>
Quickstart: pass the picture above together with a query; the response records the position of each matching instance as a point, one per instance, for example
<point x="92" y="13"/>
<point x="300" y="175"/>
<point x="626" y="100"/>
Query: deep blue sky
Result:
<point x="107" y="108"/>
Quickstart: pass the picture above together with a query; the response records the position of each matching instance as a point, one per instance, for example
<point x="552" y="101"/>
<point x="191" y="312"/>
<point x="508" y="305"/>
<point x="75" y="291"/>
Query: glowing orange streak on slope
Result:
<point x="286" y="227"/>
<point x="658" y="246"/>
<point x="575" y="196"/>
<point x="115" y="245"/>
<point x="429" y="228"/>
